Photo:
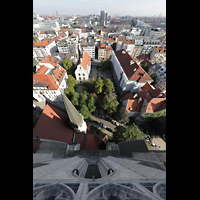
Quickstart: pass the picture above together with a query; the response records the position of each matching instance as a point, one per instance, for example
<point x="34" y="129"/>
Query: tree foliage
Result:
<point x="110" y="103"/>
<point x="85" y="111"/>
<point x="108" y="86"/>
<point x="122" y="115"/>
<point x="131" y="132"/>
<point x="83" y="99"/>
<point x="98" y="86"/>
<point x="91" y="104"/>
<point x="105" y="65"/>
<point x="75" y="99"/>
<point x="72" y="84"/>
<point x="68" y="65"/>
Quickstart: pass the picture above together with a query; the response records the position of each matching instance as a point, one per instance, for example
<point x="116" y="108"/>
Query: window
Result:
<point x="79" y="74"/>
<point x="79" y="78"/>
<point x="83" y="74"/>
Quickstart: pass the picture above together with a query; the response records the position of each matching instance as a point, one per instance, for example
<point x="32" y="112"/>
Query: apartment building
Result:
<point x="104" y="52"/>
<point x="44" y="48"/>
<point x="160" y="69"/>
<point x="88" y="47"/>
<point x="49" y="79"/>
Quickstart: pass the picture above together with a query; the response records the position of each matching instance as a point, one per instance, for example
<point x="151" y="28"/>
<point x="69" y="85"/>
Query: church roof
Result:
<point x="74" y="116"/>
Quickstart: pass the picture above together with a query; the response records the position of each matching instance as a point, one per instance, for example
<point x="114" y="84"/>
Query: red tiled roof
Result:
<point x="153" y="92"/>
<point x="133" y="105"/>
<point x="51" y="60"/>
<point x="52" y="125"/>
<point x="42" y="44"/>
<point x="49" y="79"/>
<point x="85" y="60"/>
<point x="63" y="29"/>
<point x="156" y="104"/>
<point x="133" y="70"/>
<point x="102" y="46"/>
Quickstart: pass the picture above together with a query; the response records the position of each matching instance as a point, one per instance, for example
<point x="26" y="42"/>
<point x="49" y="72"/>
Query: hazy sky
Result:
<point x="113" y="7"/>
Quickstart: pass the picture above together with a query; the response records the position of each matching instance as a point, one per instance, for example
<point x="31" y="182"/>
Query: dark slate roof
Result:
<point x="126" y="148"/>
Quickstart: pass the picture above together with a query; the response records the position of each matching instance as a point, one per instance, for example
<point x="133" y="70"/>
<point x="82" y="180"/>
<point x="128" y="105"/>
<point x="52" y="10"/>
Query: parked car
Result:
<point x="115" y="123"/>
<point x="109" y="130"/>
<point x="108" y="119"/>
<point x="101" y="116"/>
<point x="102" y="125"/>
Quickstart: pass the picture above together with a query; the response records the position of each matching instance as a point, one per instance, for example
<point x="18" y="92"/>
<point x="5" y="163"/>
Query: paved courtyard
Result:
<point x="94" y="73"/>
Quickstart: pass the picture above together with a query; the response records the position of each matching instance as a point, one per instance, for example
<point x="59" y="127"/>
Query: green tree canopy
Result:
<point x="75" y="99"/>
<point x="118" y="134"/>
<point x="72" y="81"/>
<point x="91" y="104"/>
<point x="98" y="86"/>
<point x="108" y="86"/>
<point x="85" y="111"/>
<point x="122" y="115"/>
<point x="68" y="65"/>
<point x="83" y="99"/>
<point x="72" y="84"/>
<point x="105" y="65"/>
<point x="133" y="133"/>
<point x="110" y="103"/>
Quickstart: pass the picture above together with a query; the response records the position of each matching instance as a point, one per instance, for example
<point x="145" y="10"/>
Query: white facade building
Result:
<point x="89" y="47"/>
<point x="128" y="75"/>
<point x="83" y="69"/>
<point x="49" y="79"/>
<point x="44" y="48"/>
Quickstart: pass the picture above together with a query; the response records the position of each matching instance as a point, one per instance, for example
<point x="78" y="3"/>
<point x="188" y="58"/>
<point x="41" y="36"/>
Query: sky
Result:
<point x="113" y="7"/>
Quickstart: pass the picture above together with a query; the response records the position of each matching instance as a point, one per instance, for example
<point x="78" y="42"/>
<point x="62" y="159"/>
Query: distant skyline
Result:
<point x="113" y="7"/>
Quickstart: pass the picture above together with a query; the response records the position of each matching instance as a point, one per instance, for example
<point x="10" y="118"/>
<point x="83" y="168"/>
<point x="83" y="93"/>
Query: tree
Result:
<point x="122" y="115"/>
<point x="83" y="99"/>
<point x="133" y="133"/>
<point x="91" y="104"/>
<point x="68" y="65"/>
<point x="75" y="99"/>
<point x="85" y="111"/>
<point x="72" y="84"/>
<point x="98" y="86"/>
<point x="88" y="86"/>
<point x="72" y="81"/>
<point x="69" y="91"/>
<point x="108" y="86"/>
<point x="110" y="103"/>
<point x="118" y="134"/>
<point x="105" y="65"/>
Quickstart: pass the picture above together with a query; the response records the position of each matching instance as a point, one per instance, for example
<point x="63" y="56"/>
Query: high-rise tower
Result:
<point x="104" y="15"/>
<point x="76" y="120"/>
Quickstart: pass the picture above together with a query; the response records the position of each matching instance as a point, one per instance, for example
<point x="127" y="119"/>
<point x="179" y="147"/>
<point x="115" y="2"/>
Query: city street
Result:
<point x="106" y="123"/>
